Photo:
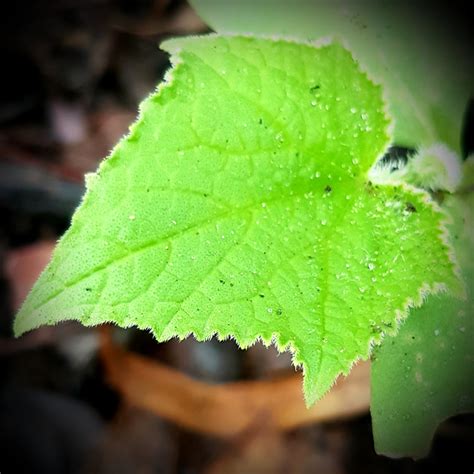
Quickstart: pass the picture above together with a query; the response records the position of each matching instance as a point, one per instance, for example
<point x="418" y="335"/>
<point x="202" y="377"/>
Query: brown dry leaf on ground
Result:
<point x="227" y="410"/>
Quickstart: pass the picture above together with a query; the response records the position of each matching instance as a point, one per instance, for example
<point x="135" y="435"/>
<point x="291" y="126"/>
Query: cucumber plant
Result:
<point x="249" y="201"/>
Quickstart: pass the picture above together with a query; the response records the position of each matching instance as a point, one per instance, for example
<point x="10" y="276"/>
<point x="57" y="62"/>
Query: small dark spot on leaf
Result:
<point x="327" y="189"/>
<point x="314" y="88"/>
<point x="409" y="207"/>
<point x="261" y="295"/>
<point x="279" y="311"/>
<point x="260" y="121"/>
<point x="222" y="282"/>
<point x="231" y="284"/>
<point x="88" y="289"/>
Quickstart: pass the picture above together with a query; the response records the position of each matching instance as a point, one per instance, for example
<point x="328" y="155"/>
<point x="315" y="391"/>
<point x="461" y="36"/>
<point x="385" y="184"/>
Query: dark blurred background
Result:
<point x="72" y="75"/>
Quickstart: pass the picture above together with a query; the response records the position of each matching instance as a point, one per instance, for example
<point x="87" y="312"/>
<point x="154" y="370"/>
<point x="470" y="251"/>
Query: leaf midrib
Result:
<point x="251" y="207"/>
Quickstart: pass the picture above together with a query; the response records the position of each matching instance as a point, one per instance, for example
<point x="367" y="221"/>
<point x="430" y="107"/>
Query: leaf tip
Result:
<point x="22" y="321"/>
<point x="316" y="384"/>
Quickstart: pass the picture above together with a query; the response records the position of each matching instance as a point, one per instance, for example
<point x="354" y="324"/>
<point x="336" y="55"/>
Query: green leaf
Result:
<point x="422" y="57"/>
<point x="426" y="373"/>
<point x="239" y="205"/>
